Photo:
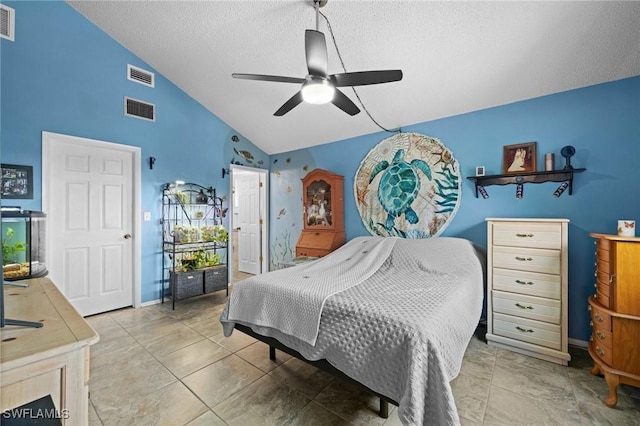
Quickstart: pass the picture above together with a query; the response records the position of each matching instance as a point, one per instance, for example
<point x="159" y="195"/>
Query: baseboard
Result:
<point x="151" y="302"/>
<point x="578" y="343"/>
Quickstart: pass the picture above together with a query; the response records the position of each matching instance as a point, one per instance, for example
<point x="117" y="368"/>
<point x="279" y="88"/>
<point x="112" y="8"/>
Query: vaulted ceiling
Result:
<point x="456" y="57"/>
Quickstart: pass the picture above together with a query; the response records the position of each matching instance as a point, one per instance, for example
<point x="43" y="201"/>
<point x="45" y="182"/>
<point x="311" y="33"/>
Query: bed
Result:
<point x="395" y="315"/>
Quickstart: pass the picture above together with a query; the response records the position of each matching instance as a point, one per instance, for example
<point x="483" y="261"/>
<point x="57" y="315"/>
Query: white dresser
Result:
<point x="527" y="286"/>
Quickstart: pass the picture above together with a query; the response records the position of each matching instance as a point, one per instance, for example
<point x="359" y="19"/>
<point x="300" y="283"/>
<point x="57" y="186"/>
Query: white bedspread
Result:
<point x="403" y="331"/>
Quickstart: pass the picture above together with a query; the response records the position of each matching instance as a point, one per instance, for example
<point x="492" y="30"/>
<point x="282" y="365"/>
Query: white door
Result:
<point x="248" y="209"/>
<point x="90" y="211"/>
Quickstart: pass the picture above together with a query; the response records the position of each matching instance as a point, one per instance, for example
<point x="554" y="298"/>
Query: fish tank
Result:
<point x="23" y="243"/>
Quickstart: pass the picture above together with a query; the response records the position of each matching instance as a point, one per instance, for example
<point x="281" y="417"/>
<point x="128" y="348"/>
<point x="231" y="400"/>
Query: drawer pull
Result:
<point x="523" y="306"/>
<point x="524" y="282"/>
<point x="598" y="318"/>
<point x="524" y="235"/>
<point x="600" y="335"/>
<point x="600" y="351"/>
<point x="522" y="259"/>
<point x="589" y="308"/>
<point x="524" y="330"/>
<point x="611" y="277"/>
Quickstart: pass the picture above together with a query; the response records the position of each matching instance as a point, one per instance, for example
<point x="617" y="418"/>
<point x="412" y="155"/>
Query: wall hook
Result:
<point x="152" y="161"/>
<point x="224" y="172"/>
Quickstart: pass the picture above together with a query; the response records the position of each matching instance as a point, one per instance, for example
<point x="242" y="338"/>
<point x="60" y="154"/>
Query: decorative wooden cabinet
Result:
<point x="527" y="276"/>
<point x="615" y="313"/>
<point x="323" y="214"/>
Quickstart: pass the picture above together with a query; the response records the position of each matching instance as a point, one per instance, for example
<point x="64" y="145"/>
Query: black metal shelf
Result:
<point x="188" y="211"/>
<point x="565" y="175"/>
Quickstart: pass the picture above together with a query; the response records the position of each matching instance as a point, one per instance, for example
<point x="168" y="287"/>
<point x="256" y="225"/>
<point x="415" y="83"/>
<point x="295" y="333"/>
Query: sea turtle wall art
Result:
<point x="408" y="186"/>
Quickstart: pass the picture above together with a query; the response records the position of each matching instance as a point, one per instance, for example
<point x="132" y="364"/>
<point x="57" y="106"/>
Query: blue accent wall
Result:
<point x="65" y="75"/>
<point x="602" y="122"/>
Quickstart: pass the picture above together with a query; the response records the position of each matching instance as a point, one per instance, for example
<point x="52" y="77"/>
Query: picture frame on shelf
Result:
<point x="519" y="158"/>
<point x="17" y="181"/>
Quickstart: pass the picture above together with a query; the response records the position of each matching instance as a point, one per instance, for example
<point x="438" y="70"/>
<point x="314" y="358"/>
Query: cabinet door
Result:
<point x="318" y="206"/>
<point x="627" y="277"/>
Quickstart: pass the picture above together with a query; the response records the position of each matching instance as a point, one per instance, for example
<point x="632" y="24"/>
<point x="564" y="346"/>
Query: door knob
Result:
<point x="127" y="236"/>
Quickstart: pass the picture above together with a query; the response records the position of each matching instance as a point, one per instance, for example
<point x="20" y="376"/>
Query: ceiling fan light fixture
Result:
<point x="317" y="91"/>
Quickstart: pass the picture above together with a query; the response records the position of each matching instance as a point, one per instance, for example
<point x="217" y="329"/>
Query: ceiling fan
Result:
<point x="318" y="87"/>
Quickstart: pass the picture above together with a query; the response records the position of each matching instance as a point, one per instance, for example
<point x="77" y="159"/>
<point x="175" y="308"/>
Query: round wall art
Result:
<point x="408" y="186"/>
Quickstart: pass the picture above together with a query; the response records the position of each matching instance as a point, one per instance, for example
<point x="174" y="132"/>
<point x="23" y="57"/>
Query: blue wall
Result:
<point x="602" y="122"/>
<point x="64" y="75"/>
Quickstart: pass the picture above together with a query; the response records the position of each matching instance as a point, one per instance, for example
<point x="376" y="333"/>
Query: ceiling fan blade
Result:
<point x="293" y="102"/>
<point x="344" y="103"/>
<point x="261" y="77"/>
<point x="316" y="50"/>
<point x="363" y="78"/>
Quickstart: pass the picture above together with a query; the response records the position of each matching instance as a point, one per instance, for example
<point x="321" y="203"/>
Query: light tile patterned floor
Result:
<point x="163" y="367"/>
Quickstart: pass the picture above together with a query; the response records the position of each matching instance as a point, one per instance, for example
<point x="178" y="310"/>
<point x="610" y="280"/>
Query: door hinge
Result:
<point x="260" y="221"/>
<point x="260" y="259"/>
<point x="260" y="184"/>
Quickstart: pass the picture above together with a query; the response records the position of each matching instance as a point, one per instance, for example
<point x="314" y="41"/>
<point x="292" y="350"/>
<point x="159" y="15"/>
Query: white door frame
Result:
<point x="264" y="215"/>
<point x="47" y="139"/>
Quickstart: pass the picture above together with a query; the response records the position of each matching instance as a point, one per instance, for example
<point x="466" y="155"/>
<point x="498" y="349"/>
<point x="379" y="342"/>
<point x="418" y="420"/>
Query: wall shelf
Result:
<point x="532" y="177"/>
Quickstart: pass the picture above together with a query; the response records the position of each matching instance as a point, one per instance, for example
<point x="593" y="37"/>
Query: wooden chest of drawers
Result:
<point x="527" y="287"/>
<point x="615" y="312"/>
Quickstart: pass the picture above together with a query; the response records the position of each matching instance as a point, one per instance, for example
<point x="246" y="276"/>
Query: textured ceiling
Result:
<point x="456" y="56"/>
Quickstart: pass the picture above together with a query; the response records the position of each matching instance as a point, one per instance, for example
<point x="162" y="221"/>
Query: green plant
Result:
<point x="181" y="197"/>
<point x="9" y="249"/>
<point x="215" y="233"/>
<point x="199" y="259"/>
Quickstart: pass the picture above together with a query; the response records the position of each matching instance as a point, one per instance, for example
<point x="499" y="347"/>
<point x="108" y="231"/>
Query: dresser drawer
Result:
<point x="311" y="252"/>
<point x="602" y="336"/>
<point x="603" y="266"/>
<point x="605" y="353"/>
<point x="603" y="277"/>
<point x="526" y="330"/>
<point x="603" y="249"/>
<point x="527" y="259"/>
<point x="527" y="234"/>
<point x="603" y="298"/>
<point x="531" y="283"/>
<point x="599" y="317"/>
<point x="536" y="308"/>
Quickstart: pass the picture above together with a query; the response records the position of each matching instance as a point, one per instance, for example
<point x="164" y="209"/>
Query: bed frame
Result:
<point x="321" y="364"/>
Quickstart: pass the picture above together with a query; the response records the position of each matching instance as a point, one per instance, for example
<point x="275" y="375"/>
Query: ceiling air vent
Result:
<point x="140" y="76"/>
<point x="139" y="109"/>
<point x="7" y="20"/>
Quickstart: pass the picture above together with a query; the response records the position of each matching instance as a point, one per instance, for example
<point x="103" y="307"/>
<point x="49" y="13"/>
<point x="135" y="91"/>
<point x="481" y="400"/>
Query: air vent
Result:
<point x="140" y="76"/>
<point x="7" y="20"/>
<point x="139" y="109"/>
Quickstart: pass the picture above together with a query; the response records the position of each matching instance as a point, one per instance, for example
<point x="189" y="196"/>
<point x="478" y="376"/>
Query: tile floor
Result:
<point x="163" y="367"/>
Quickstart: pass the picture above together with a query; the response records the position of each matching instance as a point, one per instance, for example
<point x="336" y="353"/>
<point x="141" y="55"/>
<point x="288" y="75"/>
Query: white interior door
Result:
<point x="90" y="215"/>
<point x="248" y="209"/>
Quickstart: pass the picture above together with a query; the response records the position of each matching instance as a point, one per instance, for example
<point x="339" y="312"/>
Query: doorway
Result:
<point x="91" y="193"/>
<point x="248" y="222"/>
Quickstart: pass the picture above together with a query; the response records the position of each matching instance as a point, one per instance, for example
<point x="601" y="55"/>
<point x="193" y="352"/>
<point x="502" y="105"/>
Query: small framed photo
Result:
<point x="17" y="181"/>
<point x="519" y="158"/>
<point x="479" y="170"/>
